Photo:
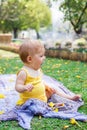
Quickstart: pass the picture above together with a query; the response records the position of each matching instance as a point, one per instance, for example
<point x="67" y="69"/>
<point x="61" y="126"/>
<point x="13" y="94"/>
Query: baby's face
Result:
<point x="37" y="60"/>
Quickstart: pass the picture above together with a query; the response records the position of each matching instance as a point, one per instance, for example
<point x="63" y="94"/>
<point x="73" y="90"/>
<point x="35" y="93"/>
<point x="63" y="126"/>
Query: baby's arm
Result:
<point x="19" y="86"/>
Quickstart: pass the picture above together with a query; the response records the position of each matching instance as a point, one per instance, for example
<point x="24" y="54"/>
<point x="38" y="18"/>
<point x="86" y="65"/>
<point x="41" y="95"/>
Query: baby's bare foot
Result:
<point x="76" y="97"/>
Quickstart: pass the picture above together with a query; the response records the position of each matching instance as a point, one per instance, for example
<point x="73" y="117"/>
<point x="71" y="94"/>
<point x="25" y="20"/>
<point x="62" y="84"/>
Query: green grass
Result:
<point x="71" y="73"/>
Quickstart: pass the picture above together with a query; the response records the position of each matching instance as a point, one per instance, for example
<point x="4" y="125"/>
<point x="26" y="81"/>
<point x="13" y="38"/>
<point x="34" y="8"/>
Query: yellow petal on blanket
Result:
<point x="2" y="96"/>
<point x="56" y="109"/>
<point x="2" y="112"/>
<point x="19" y="103"/>
<point x="11" y="80"/>
<point x="51" y="104"/>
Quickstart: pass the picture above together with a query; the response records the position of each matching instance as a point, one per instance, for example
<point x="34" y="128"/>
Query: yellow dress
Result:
<point x="37" y="92"/>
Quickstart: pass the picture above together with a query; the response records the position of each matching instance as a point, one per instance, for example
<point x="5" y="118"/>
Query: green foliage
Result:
<point x="83" y="50"/>
<point x="38" y="14"/>
<point x="10" y="14"/>
<point x="20" y="14"/>
<point x="75" y="11"/>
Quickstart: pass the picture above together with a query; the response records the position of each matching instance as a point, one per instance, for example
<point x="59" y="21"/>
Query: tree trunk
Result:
<point x="15" y="32"/>
<point x="38" y="35"/>
<point x="78" y="29"/>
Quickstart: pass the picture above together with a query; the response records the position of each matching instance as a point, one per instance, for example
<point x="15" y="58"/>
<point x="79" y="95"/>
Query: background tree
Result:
<point x="38" y="14"/>
<point x="11" y="16"/>
<point x="76" y="12"/>
<point x="22" y="14"/>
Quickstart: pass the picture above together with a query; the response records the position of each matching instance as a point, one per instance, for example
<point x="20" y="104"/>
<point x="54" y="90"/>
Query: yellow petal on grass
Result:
<point x="51" y="104"/>
<point x="65" y="127"/>
<point x="2" y="112"/>
<point x="40" y="117"/>
<point x="78" y="76"/>
<point x="74" y="122"/>
<point x="2" y="96"/>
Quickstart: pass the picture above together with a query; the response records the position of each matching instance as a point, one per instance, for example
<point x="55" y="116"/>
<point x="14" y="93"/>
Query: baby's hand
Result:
<point x="53" y="90"/>
<point x="29" y="87"/>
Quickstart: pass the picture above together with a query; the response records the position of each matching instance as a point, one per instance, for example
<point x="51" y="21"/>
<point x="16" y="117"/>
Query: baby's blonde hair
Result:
<point x="30" y="48"/>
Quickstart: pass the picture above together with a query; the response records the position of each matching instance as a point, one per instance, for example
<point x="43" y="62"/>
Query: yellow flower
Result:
<point x="51" y="104"/>
<point x="78" y="76"/>
<point x="56" y="109"/>
<point x="1" y="112"/>
<point x="74" y="122"/>
<point x="39" y="117"/>
<point x="2" y="96"/>
<point x="65" y="127"/>
<point x="66" y="62"/>
<point x="11" y="80"/>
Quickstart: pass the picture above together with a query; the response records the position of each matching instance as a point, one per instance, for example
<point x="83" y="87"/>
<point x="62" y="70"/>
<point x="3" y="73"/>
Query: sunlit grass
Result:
<point x="71" y="73"/>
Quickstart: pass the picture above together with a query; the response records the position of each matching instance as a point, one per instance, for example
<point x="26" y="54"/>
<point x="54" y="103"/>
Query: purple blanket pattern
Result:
<point x="32" y="107"/>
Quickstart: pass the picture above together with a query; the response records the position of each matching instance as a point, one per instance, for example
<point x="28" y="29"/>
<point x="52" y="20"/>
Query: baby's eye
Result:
<point x="41" y="56"/>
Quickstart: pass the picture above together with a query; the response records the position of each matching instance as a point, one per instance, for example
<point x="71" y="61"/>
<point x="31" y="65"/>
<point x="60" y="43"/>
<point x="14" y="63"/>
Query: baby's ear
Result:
<point x="29" y="59"/>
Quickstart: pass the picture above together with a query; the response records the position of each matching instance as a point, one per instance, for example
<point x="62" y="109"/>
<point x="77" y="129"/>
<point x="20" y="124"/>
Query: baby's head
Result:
<point x="30" y="48"/>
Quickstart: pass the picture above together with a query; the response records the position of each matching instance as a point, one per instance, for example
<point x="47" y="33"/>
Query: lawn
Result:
<point x="71" y="73"/>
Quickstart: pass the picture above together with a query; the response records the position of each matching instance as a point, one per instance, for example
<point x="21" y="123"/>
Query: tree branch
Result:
<point x="82" y="13"/>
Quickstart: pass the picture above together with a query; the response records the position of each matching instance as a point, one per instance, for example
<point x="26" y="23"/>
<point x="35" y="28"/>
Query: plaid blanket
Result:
<point x="25" y="113"/>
